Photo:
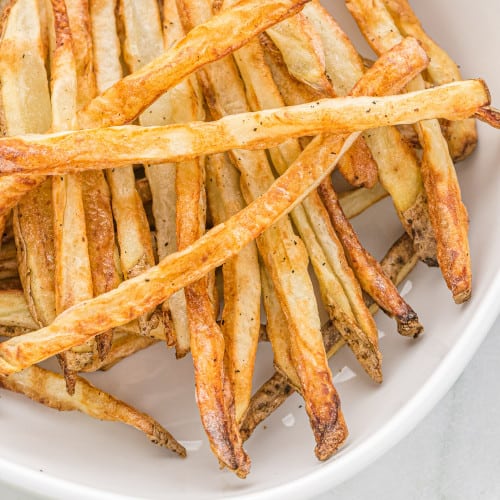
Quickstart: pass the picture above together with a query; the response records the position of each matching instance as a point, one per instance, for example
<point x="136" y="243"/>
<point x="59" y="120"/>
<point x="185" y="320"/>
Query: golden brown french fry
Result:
<point x="448" y="214"/>
<point x="398" y="168"/>
<point x="303" y="54"/>
<point x="48" y="388"/>
<point x="95" y="191"/>
<point x="460" y="135"/>
<point x="86" y="149"/>
<point x="340" y="291"/>
<point x="133" y="297"/>
<point x="283" y="253"/>
<point x="132" y="228"/>
<point x="367" y="269"/>
<point x="356" y="201"/>
<point x="26" y="108"/>
<point x="14" y="310"/>
<point x="241" y="283"/>
<point x="396" y="264"/>
<point x="123" y="346"/>
<point x="73" y="276"/>
<point x="273" y="393"/>
<point x="277" y="331"/>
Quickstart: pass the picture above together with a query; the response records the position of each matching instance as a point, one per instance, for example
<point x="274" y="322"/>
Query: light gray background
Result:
<point x="453" y="454"/>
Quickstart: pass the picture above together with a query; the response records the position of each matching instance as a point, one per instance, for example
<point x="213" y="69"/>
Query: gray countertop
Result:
<point x="453" y="454"/>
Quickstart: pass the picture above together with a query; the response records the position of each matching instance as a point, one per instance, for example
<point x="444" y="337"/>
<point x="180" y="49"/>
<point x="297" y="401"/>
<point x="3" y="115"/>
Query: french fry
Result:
<point x="96" y="195"/>
<point x="26" y="108"/>
<point x="87" y="149"/>
<point x="14" y="310"/>
<point x="277" y="331"/>
<point x="124" y="345"/>
<point x="132" y="228"/>
<point x="73" y="276"/>
<point x="356" y="201"/>
<point x="398" y="168"/>
<point x="284" y="256"/>
<point x="339" y="289"/>
<point x="133" y="297"/>
<point x="460" y="135"/>
<point x="447" y="213"/>
<point x="48" y="388"/>
<point x="241" y="282"/>
<point x="367" y="269"/>
<point x="396" y="264"/>
<point x="303" y="54"/>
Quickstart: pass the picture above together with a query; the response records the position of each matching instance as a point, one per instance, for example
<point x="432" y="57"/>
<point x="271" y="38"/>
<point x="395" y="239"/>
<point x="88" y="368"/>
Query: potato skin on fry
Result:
<point x="48" y="388"/>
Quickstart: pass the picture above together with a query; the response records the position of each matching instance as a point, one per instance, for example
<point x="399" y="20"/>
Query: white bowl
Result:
<point x="69" y="455"/>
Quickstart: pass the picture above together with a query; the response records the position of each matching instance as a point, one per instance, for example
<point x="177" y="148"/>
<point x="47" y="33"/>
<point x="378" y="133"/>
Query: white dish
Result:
<point x="69" y="455"/>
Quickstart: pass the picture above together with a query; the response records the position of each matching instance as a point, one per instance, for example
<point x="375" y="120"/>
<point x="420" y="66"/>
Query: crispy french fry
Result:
<point x="356" y="201"/>
<point x="123" y="346"/>
<point x="448" y="214"/>
<point x="284" y="256"/>
<point x="398" y="168"/>
<point x="133" y="235"/>
<point x="133" y="297"/>
<point x="48" y="388"/>
<point x="277" y="331"/>
<point x="241" y="312"/>
<point x="77" y="150"/>
<point x="340" y="291"/>
<point x="367" y="269"/>
<point x="460" y="135"/>
<point x="26" y="108"/>
<point x="96" y="195"/>
<point x="14" y="310"/>
<point x="73" y="276"/>
<point x="397" y="264"/>
<point x="303" y="54"/>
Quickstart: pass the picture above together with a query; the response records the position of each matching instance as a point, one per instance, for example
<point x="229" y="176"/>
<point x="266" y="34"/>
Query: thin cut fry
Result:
<point x="14" y="310"/>
<point x="133" y="235"/>
<point x="358" y="200"/>
<point x="448" y="214"/>
<point x="397" y="264"/>
<point x="95" y="190"/>
<point x="69" y="151"/>
<point x="339" y="288"/>
<point x="461" y="135"/>
<point x="398" y="168"/>
<point x="284" y="256"/>
<point x="48" y="388"/>
<point x="367" y="269"/>
<point x="139" y="294"/>
<point x="241" y="312"/>
<point x="303" y="54"/>
<point x="26" y="108"/>
<point x="73" y="276"/>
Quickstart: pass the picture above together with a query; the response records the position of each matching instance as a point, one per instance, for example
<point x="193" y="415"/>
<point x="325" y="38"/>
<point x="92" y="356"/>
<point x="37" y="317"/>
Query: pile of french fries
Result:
<point x="151" y="150"/>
